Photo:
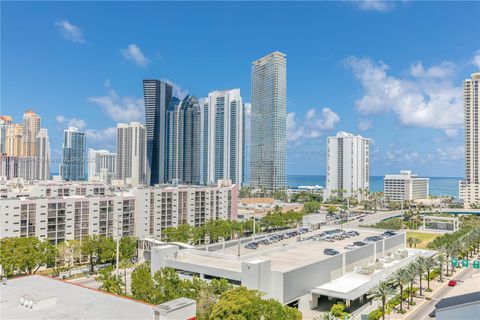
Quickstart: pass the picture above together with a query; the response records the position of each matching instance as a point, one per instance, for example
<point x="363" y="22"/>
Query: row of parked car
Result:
<point x="371" y="239"/>
<point x="275" y="238"/>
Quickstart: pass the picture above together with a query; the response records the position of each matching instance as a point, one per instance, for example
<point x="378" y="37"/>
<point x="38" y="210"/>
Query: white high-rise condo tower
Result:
<point x="470" y="186"/>
<point x="348" y="165"/>
<point x="224" y="126"/>
<point x="131" y="153"/>
<point x="269" y="122"/>
<point x="43" y="155"/>
<point x="101" y="165"/>
<point x="31" y="127"/>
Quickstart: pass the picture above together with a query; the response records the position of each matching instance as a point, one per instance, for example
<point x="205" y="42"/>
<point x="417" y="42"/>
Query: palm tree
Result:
<point x="441" y="259"/>
<point x="410" y="241"/>
<point x="412" y="275"/>
<point x="416" y="241"/>
<point x="429" y="264"/>
<point x="400" y="278"/>
<point x="452" y="250"/>
<point x="420" y="270"/>
<point x="381" y="292"/>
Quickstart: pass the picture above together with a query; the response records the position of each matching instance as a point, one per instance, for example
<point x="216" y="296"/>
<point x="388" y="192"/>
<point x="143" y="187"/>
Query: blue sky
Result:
<point x="390" y="71"/>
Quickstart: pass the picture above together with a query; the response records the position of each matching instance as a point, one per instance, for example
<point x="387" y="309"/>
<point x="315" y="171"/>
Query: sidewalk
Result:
<point x="436" y="287"/>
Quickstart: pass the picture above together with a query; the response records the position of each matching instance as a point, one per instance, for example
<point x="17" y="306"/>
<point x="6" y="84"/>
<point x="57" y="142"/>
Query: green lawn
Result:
<point x="426" y="237"/>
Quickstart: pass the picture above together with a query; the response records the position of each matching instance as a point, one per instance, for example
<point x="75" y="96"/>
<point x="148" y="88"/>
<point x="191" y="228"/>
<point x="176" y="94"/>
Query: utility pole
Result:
<point x="401" y="210"/>
<point x="348" y="210"/>
<point x="118" y="248"/>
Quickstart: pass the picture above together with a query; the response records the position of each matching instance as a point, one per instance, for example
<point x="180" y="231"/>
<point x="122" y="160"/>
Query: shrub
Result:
<point x="433" y="274"/>
<point x="337" y="309"/>
<point x="392" y="303"/>
<point x="375" y="314"/>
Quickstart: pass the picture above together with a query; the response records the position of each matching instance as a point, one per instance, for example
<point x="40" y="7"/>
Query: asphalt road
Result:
<point x="422" y="312"/>
<point x="372" y="218"/>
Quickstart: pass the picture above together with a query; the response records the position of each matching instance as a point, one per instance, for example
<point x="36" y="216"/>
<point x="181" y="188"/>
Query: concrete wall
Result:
<point x="359" y="257"/>
<point x="300" y="281"/>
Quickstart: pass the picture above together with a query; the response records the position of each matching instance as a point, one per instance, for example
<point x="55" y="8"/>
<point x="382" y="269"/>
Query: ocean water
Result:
<point x="439" y="186"/>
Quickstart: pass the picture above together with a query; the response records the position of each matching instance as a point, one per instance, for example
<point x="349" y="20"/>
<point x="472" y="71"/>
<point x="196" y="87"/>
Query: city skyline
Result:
<point x="351" y="100"/>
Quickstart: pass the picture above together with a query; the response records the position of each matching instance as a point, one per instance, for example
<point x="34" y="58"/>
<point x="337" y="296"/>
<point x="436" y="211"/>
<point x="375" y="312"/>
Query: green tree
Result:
<point x="410" y="241"/>
<point x="142" y="285"/>
<point x="428" y="264"/>
<point x="110" y="282"/>
<point x="400" y="278"/>
<point x="311" y="206"/>
<point x="25" y="255"/>
<point x="167" y="285"/>
<point x="127" y="251"/>
<point x="381" y="292"/>
<point x="332" y="209"/>
<point x="205" y="301"/>
<point x="420" y="268"/>
<point x="107" y="249"/>
<point x="243" y="304"/>
<point x="441" y="261"/>
<point x="69" y="253"/>
<point x="91" y="249"/>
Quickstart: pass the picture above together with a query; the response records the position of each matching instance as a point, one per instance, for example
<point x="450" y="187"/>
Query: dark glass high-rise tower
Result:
<point x="184" y="141"/>
<point x="157" y="95"/>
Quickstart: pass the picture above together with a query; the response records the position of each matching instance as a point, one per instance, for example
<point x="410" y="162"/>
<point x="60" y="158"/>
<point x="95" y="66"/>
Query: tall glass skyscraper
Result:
<point x="224" y="126"/>
<point x="72" y="167"/>
<point x="269" y="122"/>
<point x="157" y="95"/>
<point x="470" y="187"/>
<point x="184" y="141"/>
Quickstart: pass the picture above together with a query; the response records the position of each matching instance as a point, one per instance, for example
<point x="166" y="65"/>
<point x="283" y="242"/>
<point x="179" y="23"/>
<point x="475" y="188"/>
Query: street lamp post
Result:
<point x="118" y="247"/>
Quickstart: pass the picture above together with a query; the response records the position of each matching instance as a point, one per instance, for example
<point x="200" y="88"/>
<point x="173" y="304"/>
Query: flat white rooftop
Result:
<point x="59" y="300"/>
<point x="353" y="285"/>
<point x="284" y="255"/>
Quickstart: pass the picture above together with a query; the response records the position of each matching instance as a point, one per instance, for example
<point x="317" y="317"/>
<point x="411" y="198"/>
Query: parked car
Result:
<point x="251" y="245"/>
<point x="452" y="283"/>
<point x="328" y="238"/>
<point x="390" y="233"/>
<point x="359" y="244"/>
<point x="330" y="252"/>
<point x="360" y="220"/>
<point x="349" y="247"/>
<point x="264" y="241"/>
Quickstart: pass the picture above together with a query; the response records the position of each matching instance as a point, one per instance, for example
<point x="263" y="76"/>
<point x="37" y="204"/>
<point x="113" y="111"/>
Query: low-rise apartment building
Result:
<point x="60" y="212"/>
<point x="405" y="186"/>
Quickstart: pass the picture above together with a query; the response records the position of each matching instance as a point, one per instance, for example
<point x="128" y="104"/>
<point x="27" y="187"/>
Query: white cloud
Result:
<point x="444" y="70"/>
<point x="135" y="55"/>
<point x="476" y="60"/>
<point x="313" y="125"/>
<point x="364" y="124"/>
<point x="120" y="109"/>
<point x="178" y="91"/>
<point x="60" y="118"/>
<point x="427" y="100"/>
<point x="402" y="155"/>
<point x="450" y="153"/>
<point x="374" y="5"/>
<point x="107" y="134"/>
<point x="72" y="122"/>
<point x="69" y="31"/>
